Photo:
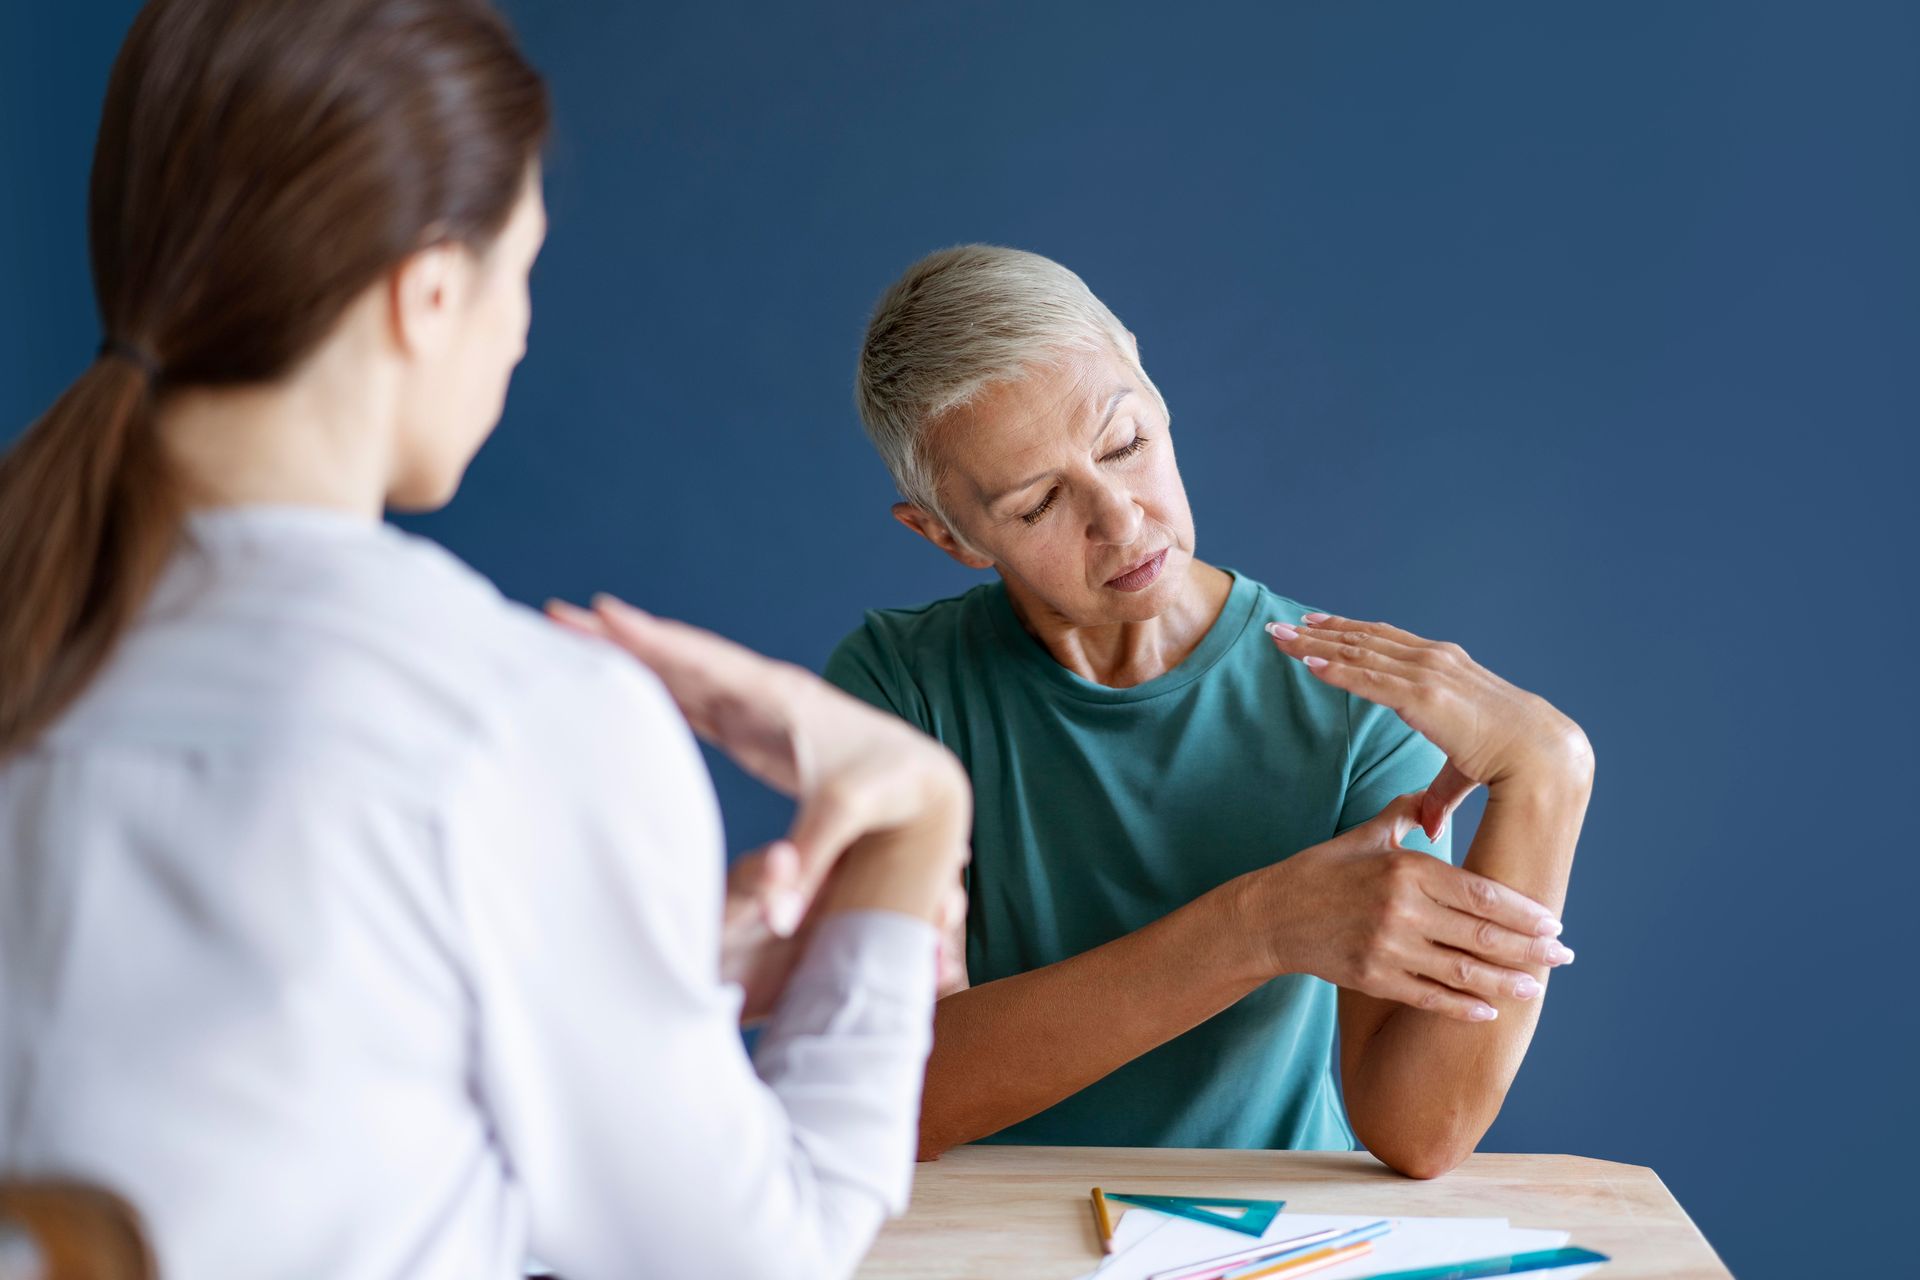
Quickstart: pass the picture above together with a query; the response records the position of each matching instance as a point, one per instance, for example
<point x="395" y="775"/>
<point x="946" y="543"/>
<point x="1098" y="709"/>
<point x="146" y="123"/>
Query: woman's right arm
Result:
<point x="590" y="880"/>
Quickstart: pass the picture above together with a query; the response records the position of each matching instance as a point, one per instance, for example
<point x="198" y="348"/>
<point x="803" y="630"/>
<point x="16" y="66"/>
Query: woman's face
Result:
<point x="1064" y="481"/>
<point x="453" y="397"/>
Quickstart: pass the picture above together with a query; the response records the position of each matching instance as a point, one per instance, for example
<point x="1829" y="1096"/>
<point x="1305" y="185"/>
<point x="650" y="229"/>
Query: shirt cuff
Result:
<point x="883" y="953"/>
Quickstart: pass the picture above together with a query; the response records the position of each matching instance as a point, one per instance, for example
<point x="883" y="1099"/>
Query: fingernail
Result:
<point x="1560" y="955"/>
<point x="1484" y="1013"/>
<point x="1316" y="617"/>
<point x="1315" y="663"/>
<point x="1282" y="631"/>
<point x="783" y="913"/>
<point x="1547" y="927"/>
<point x="1525" y="988"/>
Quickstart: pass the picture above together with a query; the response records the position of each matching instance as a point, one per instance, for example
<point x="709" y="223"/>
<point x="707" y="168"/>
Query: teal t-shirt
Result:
<point x="1099" y="810"/>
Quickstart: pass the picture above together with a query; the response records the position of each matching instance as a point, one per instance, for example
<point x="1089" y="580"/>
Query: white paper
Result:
<point x="1147" y="1242"/>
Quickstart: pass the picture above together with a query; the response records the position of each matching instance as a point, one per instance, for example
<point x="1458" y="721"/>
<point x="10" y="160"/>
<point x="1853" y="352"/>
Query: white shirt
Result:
<point x="357" y="922"/>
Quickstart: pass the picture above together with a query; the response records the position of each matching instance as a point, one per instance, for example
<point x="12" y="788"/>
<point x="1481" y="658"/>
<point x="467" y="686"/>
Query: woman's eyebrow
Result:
<point x="1106" y="416"/>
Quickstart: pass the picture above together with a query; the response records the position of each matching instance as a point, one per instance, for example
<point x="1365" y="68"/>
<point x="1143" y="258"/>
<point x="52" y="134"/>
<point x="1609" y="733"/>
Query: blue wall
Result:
<point x="1584" y="334"/>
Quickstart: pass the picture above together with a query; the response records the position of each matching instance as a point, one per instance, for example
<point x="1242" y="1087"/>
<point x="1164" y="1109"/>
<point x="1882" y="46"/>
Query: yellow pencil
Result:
<point x="1103" y="1221"/>
<point x="1299" y="1266"/>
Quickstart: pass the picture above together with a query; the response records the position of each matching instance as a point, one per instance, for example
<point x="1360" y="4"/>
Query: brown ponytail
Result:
<point x="259" y="164"/>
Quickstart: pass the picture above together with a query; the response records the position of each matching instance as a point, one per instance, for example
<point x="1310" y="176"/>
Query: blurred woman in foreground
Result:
<point x="353" y="920"/>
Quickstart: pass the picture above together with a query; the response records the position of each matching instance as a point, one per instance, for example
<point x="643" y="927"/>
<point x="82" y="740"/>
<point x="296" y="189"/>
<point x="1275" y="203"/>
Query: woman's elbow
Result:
<point x="935" y="1141"/>
<point x="1416" y="1155"/>
<point x="1424" y="1162"/>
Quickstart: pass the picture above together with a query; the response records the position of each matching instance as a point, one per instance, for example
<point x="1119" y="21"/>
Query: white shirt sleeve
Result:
<point x="586" y="859"/>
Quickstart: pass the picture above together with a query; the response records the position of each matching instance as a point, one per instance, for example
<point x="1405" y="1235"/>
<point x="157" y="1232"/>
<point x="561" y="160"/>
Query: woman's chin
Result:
<point x="420" y="494"/>
<point x="1143" y="604"/>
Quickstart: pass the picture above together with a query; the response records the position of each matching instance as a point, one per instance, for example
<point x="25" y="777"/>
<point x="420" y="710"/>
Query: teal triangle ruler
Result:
<point x="1258" y="1217"/>
<point x="1506" y="1265"/>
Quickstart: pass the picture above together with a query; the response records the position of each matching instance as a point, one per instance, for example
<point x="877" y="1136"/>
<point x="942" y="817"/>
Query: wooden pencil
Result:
<point x="1103" y="1221"/>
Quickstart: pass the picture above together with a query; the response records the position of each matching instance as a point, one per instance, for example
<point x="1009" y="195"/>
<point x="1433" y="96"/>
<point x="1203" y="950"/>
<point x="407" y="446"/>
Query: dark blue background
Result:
<point x="1583" y="334"/>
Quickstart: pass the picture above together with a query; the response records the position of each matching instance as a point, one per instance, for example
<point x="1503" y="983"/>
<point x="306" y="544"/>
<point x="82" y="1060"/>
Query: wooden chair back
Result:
<point x="60" y="1230"/>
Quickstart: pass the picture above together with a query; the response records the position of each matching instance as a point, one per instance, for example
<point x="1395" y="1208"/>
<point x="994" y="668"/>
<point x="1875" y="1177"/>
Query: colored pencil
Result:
<point x="1352" y="1235"/>
<point x="1248" y="1261"/>
<point x="1103" y="1221"/>
<point x="1291" y="1267"/>
<point x="1265" y="1251"/>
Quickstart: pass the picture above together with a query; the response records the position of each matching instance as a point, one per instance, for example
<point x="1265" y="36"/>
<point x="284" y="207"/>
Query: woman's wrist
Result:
<point x="1558" y="759"/>
<point x="1256" y="909"/>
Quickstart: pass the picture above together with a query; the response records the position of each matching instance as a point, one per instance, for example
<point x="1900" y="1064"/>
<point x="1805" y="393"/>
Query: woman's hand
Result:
<point x="759" y="947"/>
<point x="855" y="772"/>
<point x="1366" y="914"/>
<point x="1491" y="731"/>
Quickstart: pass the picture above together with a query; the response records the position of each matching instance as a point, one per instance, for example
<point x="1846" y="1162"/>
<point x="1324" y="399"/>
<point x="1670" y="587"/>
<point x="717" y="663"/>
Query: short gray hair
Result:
<point x="961" y="320"/>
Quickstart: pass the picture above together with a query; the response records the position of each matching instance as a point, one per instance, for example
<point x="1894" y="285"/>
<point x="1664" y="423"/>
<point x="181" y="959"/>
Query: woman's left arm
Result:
<point x="1421" y="1089"/>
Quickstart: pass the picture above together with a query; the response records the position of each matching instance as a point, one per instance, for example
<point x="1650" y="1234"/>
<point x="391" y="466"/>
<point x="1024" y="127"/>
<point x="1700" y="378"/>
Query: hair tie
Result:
<point x="113" y="348"/>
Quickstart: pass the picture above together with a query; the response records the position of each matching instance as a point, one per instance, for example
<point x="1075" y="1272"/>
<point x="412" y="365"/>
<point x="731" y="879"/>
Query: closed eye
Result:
<point x="1033" y="516"/>
<point x="1118" y="455"/>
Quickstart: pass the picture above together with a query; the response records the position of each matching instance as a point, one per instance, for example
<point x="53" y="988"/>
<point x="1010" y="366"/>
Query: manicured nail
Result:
<point x="1525" y="988"/>
<point x="784" y="911"/>
<point x="1558" y="954"/>
<point x="1547" y="927"/>
<point x="1483" y="1013"/>
<point x="1315" y="663"/>
<point x="1316" y="617"/>
<point x="1282" y="631"/>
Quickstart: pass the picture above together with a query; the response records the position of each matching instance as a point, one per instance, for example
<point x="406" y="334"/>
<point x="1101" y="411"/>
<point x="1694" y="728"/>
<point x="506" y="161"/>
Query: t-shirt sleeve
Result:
<point x="867" y="666"/>
<point x="1385" y="759"/>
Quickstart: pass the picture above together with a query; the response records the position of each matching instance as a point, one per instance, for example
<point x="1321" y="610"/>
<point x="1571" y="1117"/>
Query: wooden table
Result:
<point x="994" y="1211"/>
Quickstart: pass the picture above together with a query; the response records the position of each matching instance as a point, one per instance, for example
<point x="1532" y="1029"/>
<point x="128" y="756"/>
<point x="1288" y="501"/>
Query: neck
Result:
<point x="1123" y="654"/>
<point x="321" y="438"/>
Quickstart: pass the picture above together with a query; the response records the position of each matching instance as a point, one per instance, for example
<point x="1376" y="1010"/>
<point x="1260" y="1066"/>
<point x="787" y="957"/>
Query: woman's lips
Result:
<point x="1141" y="575"/>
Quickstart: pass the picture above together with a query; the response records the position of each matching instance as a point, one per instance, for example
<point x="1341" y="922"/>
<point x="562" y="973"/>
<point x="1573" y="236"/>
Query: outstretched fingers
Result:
<point x="582" y="621"/>
<point x="1371" y="670"/>
<point x="1382" y="631"/>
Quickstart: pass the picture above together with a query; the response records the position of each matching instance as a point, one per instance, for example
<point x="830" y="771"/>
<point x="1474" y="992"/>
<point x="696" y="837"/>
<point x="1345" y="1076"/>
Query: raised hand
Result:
<point x="854" y="771"/>
<point x="1490" y="729"/>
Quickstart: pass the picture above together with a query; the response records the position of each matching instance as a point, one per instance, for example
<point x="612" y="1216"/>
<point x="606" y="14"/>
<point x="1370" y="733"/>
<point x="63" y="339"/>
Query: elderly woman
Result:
<point x="1204" y="814"/>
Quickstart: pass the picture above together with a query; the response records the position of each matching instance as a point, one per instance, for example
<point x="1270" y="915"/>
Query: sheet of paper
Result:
<point x="1149" y="1242"/>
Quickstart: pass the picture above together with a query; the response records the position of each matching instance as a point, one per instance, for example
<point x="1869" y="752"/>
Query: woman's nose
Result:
<point x="1117" y="518"/>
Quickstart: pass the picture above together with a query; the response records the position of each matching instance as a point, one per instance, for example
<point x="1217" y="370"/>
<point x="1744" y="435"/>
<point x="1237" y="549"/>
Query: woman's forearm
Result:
<point x="1422" y="1089"/>
<point x="1008" y="1049"/>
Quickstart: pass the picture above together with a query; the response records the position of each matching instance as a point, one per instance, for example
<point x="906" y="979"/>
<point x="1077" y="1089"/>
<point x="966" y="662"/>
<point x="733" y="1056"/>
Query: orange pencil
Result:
<point x="1310" y="1262"/>
<point x="1103" y="1221"/>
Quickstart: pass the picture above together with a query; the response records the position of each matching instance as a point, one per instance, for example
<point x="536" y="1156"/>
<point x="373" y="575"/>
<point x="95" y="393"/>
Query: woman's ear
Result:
<point x="935" y="530"/>
<point x="425" y="294"/>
